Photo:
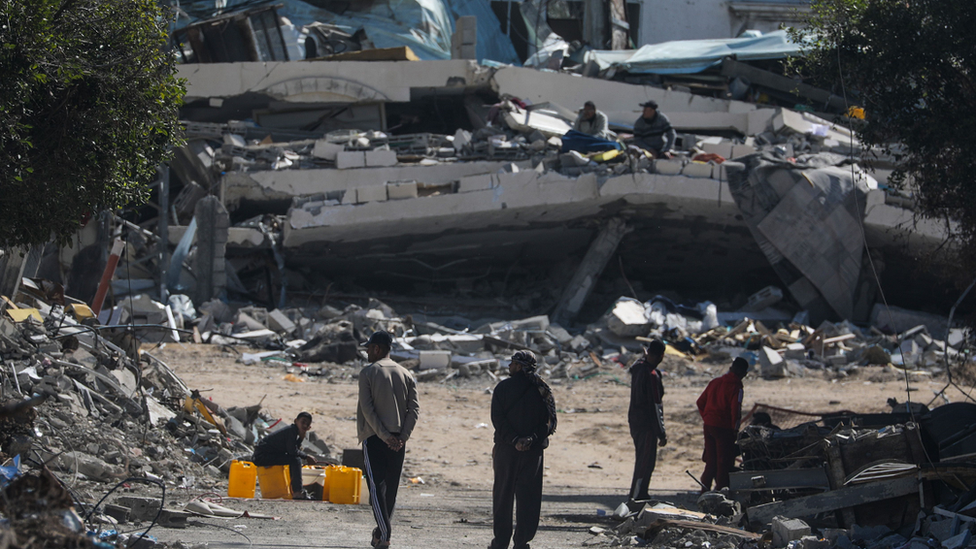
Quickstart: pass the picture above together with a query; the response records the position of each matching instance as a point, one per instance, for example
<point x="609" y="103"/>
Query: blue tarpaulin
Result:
<point x="693" y="56"/>
<point x="425" y="26"/>
<point x="585" y="143"/>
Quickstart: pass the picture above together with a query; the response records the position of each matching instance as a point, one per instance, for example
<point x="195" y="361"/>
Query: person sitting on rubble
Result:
<point x="283" y="447"/>
<point x="653" y="131"/>
<point x="646" y="417"/>
<point x="592" y="122"/>
<point x="720" y="406"/>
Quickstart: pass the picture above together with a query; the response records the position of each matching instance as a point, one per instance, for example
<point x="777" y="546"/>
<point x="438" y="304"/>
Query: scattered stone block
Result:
<point x="698" y="169"/>
<point x="326" y="150"/>
<point x="350" y="159"/>
<point x="140" y="508"/>
<point x="279" y="322"/>
<point x="771" y="364"/>
<point x="435" y="360"/>
<point x="381" y="158"/>
<point x="667" y="167"/>
<point x="401" y="190"/>
<point x="371" y="193"/>
<point x="786" y="530"/>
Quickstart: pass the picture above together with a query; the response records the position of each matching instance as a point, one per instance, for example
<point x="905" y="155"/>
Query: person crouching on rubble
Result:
<point x="283" y="448"/>
<point x="523" y="414"/>
<point x="720" y="406"/>
<point x="653" y="131"/>
<point x="646" y="416"/>
<point x="592" y="122"/>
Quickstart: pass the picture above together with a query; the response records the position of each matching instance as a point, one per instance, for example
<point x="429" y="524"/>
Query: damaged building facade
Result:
<point x="406" y="173"/>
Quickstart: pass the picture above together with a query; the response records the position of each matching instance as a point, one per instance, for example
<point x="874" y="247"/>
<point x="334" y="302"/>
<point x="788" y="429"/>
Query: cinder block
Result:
<point x="813" y="542"/>
<point x="723" y="149"/>
<point x="372" y="193"/>
<point x="279" y="322"/>
<point x="326" y="150"/>
<point x="742" y="150"/>
<point x="698" y="169"/>
<point x="350" y="159"/>
<point x="140" y="508"/>
<point x="772" y="365"/>
<point x="786" y="530"/>
<point x="435" y="360"/>
<point x="401" y="190"/>
<point x="667" y="166"/>
<point x="475" y="183"/>
<point x="381" y="158"/>
<point x="171" y="518"/>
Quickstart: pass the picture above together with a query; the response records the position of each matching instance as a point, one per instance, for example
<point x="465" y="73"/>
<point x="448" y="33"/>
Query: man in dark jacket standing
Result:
<point x="720" y="406"/>
<point x="653" y="131"/>
<point x="387" y="412"/>
<point x="523" y="413"/>
<point x="282" y="448"/>
<point x="646" y="417"/>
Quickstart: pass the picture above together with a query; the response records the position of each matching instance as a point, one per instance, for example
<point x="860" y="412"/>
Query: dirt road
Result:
<point x="591" y="450"/>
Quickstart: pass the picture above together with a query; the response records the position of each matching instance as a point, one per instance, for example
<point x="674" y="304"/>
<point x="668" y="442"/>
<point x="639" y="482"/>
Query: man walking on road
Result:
<point x="646" y="417"/>
<point x="386" y="415"/>
<point x="523" y="413"/>
<point x="720" y="406"/>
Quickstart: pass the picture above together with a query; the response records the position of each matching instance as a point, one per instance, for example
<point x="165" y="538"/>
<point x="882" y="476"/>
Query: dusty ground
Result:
<point x="591" y="450"/>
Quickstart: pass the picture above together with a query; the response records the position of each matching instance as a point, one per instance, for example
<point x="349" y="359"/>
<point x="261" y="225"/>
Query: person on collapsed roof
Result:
<point x="283" y="447"/>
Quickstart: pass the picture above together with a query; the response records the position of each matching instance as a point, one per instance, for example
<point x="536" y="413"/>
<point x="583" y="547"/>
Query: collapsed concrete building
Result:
<point x="364" y="165"/>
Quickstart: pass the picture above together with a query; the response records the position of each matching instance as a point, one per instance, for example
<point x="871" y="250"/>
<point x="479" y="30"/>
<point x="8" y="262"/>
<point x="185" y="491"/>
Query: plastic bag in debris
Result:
<point x="9" y="472"/>
<point x="183" y="306"/>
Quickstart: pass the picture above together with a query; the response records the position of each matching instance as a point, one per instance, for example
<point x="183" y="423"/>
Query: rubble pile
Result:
<point x="511" y="131"/>
<point x="80" y="412"/>
<point x="842" y="480"/>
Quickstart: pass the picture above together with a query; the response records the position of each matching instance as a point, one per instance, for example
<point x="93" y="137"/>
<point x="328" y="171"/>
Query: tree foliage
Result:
<point x="910" y="64"/>
<point x="88" y="109"/>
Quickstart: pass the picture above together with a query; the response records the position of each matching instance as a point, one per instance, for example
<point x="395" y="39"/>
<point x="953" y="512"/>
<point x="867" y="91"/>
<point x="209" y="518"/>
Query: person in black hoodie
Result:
<point x="523" y="413"/>
<point x="282" y="448"/>
<point x="646" y="417"/>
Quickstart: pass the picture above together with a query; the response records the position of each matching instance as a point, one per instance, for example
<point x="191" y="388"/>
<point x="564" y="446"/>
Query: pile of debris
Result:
<point x="782" y="344"/>
<point x="843" y="480"/>
<point x="84" y="408"/>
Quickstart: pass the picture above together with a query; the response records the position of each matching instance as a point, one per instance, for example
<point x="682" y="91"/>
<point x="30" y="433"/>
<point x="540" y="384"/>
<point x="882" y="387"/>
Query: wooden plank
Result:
<point x="402" y="53"/>
<point x="834" y="500"/>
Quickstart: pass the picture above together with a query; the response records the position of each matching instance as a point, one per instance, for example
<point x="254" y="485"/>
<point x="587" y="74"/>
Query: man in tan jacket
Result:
<point x="386" y="415"/>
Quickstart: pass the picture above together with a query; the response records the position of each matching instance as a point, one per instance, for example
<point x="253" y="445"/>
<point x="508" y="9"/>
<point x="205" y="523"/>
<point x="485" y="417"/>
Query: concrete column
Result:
<point x="584" y="279"/>
<point x="595" y="23"/>
<point x="213" y="224"/>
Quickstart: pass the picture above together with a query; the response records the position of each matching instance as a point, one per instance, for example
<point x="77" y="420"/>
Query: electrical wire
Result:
<point x="162" y="502"/>
<point x="250" y="543"/>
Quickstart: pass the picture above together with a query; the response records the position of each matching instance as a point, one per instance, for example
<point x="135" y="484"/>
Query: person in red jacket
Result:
<point x="720" y="406"/>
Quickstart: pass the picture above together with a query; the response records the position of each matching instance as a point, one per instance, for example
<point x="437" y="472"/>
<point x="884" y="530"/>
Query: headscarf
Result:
<point x="529" y="369"/>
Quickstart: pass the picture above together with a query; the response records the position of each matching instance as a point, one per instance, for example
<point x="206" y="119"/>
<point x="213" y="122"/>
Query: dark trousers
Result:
<point x="518" y="483"/>
<point x="294" y="468"/>
<point x="719" y="456"/>
<point x="383" y="468"/>
<point x="645" y="445"/>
